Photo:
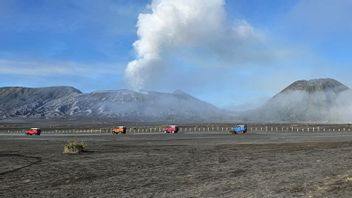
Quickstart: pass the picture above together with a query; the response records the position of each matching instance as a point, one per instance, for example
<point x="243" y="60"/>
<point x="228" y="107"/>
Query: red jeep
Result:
<point x="171" y="129"/>
<point x="33" y="131"/>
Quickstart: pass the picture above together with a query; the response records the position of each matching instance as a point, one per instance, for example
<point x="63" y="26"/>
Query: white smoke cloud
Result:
<point x="192" y="32"/>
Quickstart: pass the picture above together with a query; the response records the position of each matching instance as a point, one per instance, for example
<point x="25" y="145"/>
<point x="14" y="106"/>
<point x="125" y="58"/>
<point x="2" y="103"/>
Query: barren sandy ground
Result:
<point x="180" y="165"/>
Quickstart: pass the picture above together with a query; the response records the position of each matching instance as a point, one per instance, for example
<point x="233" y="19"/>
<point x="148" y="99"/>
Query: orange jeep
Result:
<point x="119" y="130"/>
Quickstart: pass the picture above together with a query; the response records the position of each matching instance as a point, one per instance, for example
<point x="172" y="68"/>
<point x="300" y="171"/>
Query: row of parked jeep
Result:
<point x="116" y="130"/>
<point x="237" y="129"/>
<point x="123" y="129"/>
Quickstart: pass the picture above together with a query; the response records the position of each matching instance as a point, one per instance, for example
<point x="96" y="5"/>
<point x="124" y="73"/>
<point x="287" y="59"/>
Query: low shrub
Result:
<point x="74" y="147"/>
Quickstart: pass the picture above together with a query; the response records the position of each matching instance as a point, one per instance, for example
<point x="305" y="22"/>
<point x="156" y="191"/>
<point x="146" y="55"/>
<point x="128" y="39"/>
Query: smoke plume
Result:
<point x="189" y="33"/>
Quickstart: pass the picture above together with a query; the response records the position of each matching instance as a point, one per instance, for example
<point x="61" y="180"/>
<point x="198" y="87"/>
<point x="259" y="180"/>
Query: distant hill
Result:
<point x="122" y="105"/>
<point x="317" y="100"/>
<point x="27" y="102"/>
<point x="316" y="85"/>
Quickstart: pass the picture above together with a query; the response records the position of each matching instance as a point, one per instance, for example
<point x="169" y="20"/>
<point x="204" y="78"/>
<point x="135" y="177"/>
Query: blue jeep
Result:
<point x="239" y="129"/>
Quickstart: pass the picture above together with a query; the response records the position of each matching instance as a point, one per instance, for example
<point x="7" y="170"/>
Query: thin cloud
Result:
<point x="320" y="19"/>
<point x="38" y="68"/>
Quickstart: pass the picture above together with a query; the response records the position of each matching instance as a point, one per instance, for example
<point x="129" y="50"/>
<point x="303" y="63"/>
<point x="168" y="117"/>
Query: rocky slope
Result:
<point x="26" y="102"/>
<point x="123" y="105"/>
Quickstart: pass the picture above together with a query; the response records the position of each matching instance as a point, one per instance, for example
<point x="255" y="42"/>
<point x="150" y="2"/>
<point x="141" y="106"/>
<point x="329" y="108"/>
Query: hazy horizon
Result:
<point x="228" y="53"/>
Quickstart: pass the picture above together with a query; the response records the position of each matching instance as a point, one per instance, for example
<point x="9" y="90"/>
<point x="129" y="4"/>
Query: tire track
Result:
<point x="26" y="158"/>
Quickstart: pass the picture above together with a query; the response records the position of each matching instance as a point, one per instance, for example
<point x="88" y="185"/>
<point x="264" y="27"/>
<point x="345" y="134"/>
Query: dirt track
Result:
<point x="181" y="165"/>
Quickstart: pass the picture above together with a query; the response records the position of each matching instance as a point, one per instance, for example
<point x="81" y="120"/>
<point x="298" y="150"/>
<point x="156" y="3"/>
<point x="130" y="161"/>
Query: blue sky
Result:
<point x="89" y="43"/>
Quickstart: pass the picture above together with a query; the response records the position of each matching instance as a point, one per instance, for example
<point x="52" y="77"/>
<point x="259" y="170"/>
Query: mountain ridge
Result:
<point x="318" y="100"/>
<point x="313" y="85"/>
<point x="125" y="105"/>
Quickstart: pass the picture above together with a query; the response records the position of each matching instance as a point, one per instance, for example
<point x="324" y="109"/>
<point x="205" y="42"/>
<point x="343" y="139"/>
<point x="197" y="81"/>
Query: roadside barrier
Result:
<point x="213" y="129"/>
